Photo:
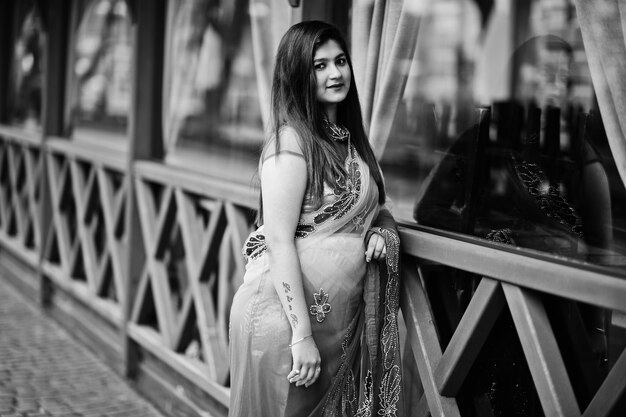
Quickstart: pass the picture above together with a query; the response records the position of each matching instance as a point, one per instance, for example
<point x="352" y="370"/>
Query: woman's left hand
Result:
<point x="376" y="248"/>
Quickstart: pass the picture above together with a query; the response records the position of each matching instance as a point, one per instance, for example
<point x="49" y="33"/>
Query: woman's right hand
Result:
<point x="306" y="363"/>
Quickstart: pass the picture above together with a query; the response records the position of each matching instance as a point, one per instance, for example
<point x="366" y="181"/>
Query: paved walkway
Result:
<point x="45" y="372"/>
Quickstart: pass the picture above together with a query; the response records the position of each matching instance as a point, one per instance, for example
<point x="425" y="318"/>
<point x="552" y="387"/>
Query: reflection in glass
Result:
<point x="26" y="70"/>
<point x="545" y="155"/>
<point x="211" y="98"/>
<point x="499" y="136"/>
<point x="102" y="66"/>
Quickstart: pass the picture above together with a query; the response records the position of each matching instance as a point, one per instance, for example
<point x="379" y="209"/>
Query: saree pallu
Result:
<point x="353" y="307"/>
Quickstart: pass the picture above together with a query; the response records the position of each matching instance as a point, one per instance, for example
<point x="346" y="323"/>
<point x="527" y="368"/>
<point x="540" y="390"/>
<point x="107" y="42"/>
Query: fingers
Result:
<point x="376" y="248"/>
<point x="294" y="375"/>
<point x="318" y="371"/>
<point x="308" y="378"/>
<point x="306" y="375"/>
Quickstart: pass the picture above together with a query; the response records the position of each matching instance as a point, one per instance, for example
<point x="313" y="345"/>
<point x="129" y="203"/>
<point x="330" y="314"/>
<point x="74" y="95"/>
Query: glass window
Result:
<point x="25" y="87"/>
<point x="543" y="174"/>
<point x="211" y="101"/>
<point x="498" y="134"/>
<point x="102" y="68"/>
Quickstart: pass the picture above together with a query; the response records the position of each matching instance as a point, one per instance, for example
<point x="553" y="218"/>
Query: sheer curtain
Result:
<point x="184" y="43"/>
<point x="603" y="26"/>
<point x="384" y="37"/>
<point x="270" y="19"/>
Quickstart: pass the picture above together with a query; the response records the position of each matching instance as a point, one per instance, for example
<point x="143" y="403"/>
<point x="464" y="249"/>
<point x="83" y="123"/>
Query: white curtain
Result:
<point x="184" y="42"/>
<point x="493" y="65"/>
<point x="384" y="37"/>
<point x="603" y="26"/>
<point x="270" y="19"/>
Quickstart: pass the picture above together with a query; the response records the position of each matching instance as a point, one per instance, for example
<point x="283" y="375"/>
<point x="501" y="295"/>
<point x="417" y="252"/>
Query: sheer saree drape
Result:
<point x="354" y="307"/>
<point x="603" y="26"/>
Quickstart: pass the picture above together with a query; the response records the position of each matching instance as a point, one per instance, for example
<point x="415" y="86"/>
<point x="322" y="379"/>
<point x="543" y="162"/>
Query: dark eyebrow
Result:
<point x="341" y="55"/>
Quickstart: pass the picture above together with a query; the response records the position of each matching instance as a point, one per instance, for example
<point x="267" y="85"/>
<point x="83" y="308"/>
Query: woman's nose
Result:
<point x="334" y="71"/>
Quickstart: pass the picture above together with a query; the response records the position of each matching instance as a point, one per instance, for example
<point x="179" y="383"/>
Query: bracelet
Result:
<point x="299" y="340"/>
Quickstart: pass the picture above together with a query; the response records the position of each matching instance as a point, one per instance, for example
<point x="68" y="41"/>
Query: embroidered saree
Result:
<point x="353" y="307"/>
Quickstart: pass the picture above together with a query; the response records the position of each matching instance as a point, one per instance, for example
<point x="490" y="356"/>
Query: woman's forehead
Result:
<point x="328" y="50"/>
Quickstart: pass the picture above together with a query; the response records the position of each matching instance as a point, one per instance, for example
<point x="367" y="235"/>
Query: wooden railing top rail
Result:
<point x="31" y="138"/>
<point x="605" y="287"/>
<point x="201" y="184"/>
<point x="107" y="156"/>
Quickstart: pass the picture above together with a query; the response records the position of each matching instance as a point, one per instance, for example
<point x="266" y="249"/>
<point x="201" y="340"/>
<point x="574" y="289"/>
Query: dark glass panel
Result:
<point x="212" y="103"/>
<point x="102" y="68"/>
<point x="25" y="87"/>
<point x="544" y="177"/>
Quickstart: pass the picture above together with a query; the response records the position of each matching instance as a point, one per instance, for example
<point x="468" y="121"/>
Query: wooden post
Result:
<point x="476" y="169"/>
<point x="56" y="24"/>
<point x="333" y="12"/>
<point x="146" y="142"/>
<point x="6" y="23"/>
<point x="54" y="97"/>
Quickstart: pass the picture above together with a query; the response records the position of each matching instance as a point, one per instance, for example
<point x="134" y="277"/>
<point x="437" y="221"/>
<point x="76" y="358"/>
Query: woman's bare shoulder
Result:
<point x="289" y="142"/>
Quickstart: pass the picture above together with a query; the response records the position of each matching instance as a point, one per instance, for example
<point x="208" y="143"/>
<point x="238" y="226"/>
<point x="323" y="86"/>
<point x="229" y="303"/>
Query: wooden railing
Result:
<point x="20" y="193"/>
<point x="192" y="229"/>
<point x="519" y="281"/>
<point x="85" y="252"/>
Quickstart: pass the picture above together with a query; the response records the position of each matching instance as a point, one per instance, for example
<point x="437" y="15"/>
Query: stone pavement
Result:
<point x="45" y="372"/>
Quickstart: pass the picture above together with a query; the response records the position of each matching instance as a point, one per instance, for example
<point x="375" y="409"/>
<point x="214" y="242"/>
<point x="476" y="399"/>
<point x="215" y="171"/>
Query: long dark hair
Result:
<point x="295" y="104"/>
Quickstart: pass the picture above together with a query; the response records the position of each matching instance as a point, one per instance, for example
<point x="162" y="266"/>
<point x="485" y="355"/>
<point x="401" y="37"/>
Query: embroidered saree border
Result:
<point x="380" y="353"/>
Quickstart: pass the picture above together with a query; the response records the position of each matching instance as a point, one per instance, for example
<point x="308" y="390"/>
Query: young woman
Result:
<point x="314" y="325"/>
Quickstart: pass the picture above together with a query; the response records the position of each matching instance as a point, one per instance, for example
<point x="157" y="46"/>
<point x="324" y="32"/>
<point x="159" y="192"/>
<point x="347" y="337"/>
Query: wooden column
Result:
<point x="146" y="139"/>
<point x="55" y="14"/>
<point x="6" y="23"/>
<point x="335" y="12"/>
<point x="57" y="18"/>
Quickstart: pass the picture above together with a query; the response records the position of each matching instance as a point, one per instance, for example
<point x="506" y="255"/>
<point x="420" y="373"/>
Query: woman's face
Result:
<point x="332" y="74"/>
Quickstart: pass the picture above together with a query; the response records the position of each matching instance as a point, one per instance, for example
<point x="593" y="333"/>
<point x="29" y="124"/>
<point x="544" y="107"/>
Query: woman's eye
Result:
<point x="342" y="61"/>
<point x="319" y="67"/>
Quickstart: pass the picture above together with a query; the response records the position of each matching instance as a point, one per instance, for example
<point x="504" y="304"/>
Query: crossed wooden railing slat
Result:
<point x="86" y="206"/>
<point x="20" y="173"/>
<point x="424" y="341"/>
<point x="443" y="373"/>
<point x="211" y="232"/>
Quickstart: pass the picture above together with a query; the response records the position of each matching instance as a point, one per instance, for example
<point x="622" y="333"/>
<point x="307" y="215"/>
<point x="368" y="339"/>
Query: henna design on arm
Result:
<point x="292" y="316"/>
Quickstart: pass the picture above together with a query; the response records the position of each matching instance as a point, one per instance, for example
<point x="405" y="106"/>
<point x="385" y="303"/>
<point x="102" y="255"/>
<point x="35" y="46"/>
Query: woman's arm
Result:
<point x="283" y="181"/>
